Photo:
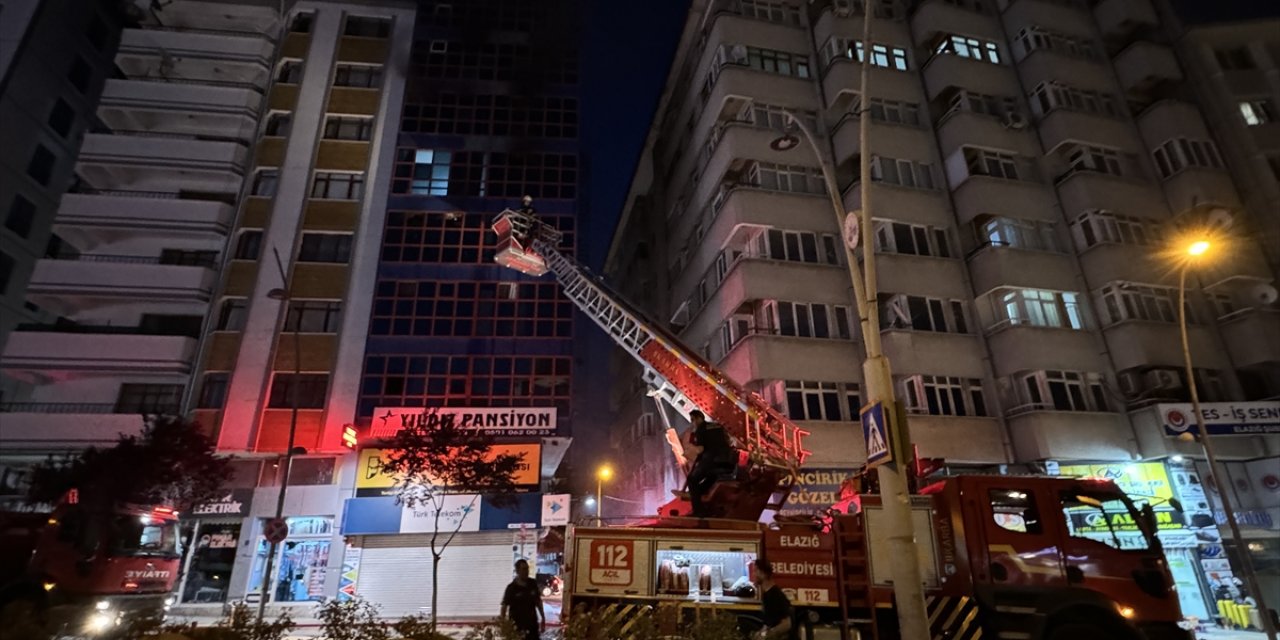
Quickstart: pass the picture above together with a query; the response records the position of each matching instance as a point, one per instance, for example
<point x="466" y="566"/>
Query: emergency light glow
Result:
<point x="349" y="436"/>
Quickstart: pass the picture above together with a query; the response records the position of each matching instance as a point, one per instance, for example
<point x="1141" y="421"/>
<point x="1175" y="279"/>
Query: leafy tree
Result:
<point x="432" y="459"/>
<point x="170" y="463"/>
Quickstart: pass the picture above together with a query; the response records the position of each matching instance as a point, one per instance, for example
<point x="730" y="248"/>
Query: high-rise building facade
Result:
<point x="1031" y="162"/>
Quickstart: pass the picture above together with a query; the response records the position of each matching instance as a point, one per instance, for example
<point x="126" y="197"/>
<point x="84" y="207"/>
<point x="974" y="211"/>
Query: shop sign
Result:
<point x="350" y="572"/>
<point x="235" y="502"/>
<point x="1093" y="521"/>
<point x="371" y="481"/>
<point x="555" y="509"/>
<point x="456" y="513"/>
<point x="218" y="536"/>
<point x="815" y="490"/>
<point x="803" y="566"/>
<point x="1222" y="418"/>
<point x="1252" y="518"/>
<point x="1142" y="481"/>
<point x="516" y="421"/>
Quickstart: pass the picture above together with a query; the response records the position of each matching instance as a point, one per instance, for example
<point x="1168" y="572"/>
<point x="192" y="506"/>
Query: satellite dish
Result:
<point x="1221" y="219"/>
<point x="852" y="229"/>
<point x="1264" y="294"/>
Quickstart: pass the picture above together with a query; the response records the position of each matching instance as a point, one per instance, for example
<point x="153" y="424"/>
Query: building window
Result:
<point x="6" y="271"/>
<point x="882" y="55"/>
<point x="278" y="124"/>
<point x="289" y="72"/>
<point x="894" y="112"/>
<point x="325" y="247"/>
<point x="301" y="22"/>
<point x="1016" y="511"/>
<point x="492" y="114"/>
<point x="213" y="391"/>
<point x="1099" y="226"/>
<point x="1061" y="391"/>
<point x="1094" y="159"/>
<point x="311" y="389"/>
<point x="1127" y="301"/>
<point x="22" y="213"/>
<point x="808" y="400"/>
<point x="918" y="313"/>
<point x="911" y="239"/>
<point x="61" y="117"/>
<point x="990" y="163"/>
<point x="248" y="245"/>
<point x="232" y="314"/>
<point x="1002" y="231"/>
<point x="465" y="381"/>
<point x="80" y="74"/>
<point x="1048" y="96"/>
<point x="766" y="60"/>
<point x="265" y="182"/>
<point x="361" y="76"/>
<point x="189" y="258"/>
<point x="794" y="179"/>
<point x="972" y="48"/>
<point x="944" y="395"/>
<point x="430" y="172"/>
<point x="1037" y="38"/>
<point x="1257" y="112"/>
<point x="1235" y="59"/>
<point x="809" y="320"/>
<point x="365" y="27"/>
<point x="1039" y="308"/>
<point x="986" y="104"/>
<point x="903" y="173"/>
<point x="149" y="398"/>
<point x="470" y="309"/>
<point x="40" y="168"/>
<point x="337" y="186"/>
<point x="771" y="11"/>
<point x="1180" y="153"/>
<point x="348" y="128"/>
<point x="313" y="316"/>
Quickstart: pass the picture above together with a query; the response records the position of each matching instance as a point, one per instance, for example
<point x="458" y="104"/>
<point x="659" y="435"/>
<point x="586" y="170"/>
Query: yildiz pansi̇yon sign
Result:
<point x="507" y="421"/>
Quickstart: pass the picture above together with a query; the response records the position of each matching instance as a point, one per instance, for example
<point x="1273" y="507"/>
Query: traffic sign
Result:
<point x="275" y="530"/>
<point x="875" y="432"/>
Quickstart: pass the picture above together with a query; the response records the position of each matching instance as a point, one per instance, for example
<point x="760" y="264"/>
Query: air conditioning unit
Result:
<point x="1014" y="120"/>
<point x="1130" y="383"/>
<point x="1162" y="379"/>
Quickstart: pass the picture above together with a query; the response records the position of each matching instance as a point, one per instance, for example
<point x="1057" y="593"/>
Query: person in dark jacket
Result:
<point x="716" y="457"/>
<point x="522" y="603"/>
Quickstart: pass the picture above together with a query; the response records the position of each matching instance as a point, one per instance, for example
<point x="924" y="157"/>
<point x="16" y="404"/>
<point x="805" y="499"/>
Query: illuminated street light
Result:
<point x="1198" y="248"/>
<point x="605" y="472"/>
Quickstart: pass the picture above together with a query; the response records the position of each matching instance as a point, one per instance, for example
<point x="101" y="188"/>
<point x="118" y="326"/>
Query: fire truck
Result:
<point x="1000" y="555"/>
<point x="84" y="569"/>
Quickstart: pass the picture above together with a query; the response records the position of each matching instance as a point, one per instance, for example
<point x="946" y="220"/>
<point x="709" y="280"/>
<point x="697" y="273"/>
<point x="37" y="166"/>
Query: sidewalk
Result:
<point x="1215" y="633"/>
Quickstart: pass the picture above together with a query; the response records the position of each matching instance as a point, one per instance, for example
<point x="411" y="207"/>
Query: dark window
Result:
<point x="41" y="166"/>
<point x="1015" y="510"/>
<point x="325" y="247"/>
<point x="188" y="258"/>
<point x="337" y="186"/>
<point x="311" y="390"/>
<point x="61" y="117"/>
<point x="149" y="398"/>
<point x="265" y="182"/>
<point x="311" y="471"/>
<point x="361" y="76"/>
<point x="278" y="124"/>
<point x="348" y="128"/>
<point x="232" y="315"/>
<point x="22" y="212"/>
<point x="301" y="23"/>
<point x="290" y="72"/>
<point x="249" y="246"/>
<point x="6" y="271"/>
<point x="97" y="32"/>
<point x="213" y="391"/>
<point x="80" y="74"/>
<point x="313" y="316"/>
<point x="366" y="27"/>
<point x="170" y="325"/>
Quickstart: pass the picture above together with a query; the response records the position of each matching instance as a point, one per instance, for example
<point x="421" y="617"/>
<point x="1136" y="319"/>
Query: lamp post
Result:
<point x="605" y="472"/>
<point x="1195" y="251"/>
<point x="895" y="499"/>
<point x="282" y="295"/>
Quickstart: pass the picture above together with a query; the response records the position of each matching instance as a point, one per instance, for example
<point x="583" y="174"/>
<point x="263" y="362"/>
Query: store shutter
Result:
<point x="395" y="574"/>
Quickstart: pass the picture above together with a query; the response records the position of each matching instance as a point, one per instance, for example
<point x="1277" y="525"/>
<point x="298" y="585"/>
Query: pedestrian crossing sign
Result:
<point x="875" y="432"/>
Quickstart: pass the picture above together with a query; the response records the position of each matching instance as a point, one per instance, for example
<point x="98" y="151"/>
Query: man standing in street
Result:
<point x="522" y="603"/>
<point x="776" y="608"/>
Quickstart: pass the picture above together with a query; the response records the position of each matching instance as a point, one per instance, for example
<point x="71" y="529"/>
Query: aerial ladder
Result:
<point x="771" y="446"/>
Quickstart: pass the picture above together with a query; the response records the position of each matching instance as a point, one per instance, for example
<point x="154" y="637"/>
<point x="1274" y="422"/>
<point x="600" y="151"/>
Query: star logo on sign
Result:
<point x="386" y="417"/>
<point x="555" y="507"/>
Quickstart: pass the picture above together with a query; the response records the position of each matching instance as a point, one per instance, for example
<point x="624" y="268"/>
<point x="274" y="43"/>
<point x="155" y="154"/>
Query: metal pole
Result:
<point x="599" y="500"/>
<point x="1206" y="442"/>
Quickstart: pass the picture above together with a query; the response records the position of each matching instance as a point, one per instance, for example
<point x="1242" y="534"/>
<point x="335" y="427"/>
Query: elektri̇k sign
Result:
<point x="1221" y="418"/>
<point x="513" y="421"/>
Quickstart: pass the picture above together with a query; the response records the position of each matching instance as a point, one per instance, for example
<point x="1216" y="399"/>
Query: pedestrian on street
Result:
<point x="522" y="603"/>
<point x="776" y="608"/>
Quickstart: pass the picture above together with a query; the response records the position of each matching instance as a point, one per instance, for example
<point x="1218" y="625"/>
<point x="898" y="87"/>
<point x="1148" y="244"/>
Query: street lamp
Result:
<point x="282" y="296"/>
<point x="895" y="499"/>
<point x="1193" y="254"/>
<point x="604" y="473"/>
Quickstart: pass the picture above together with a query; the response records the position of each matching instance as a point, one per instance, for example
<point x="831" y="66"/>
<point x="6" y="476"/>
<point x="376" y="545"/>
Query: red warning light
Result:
<point x="349" y="436"/>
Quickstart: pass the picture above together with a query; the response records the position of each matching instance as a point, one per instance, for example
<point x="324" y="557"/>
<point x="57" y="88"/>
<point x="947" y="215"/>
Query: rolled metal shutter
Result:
<point x="395" y="574"/>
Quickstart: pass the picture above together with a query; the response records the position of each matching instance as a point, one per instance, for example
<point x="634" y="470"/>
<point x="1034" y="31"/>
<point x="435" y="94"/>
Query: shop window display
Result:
<point x="213" y="552"/>
<point x="301" y="563"/>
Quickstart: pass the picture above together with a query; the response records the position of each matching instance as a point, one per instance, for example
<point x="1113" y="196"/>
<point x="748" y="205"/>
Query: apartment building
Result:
<point x="1031" y="162"/>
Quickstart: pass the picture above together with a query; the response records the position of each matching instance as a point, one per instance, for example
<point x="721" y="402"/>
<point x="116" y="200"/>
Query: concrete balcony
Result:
<point x="153" y="163"/>
<point x="907" y="204"/>
<point x="1044" y="65"/>
<point x="1120" y="18"/>
<point x="731" y="28"/>
<point x="737" y="81"/>
<point x="53" y="355"/>
<point x="843" y="76"/>
<point x="157" y="104"/>
<point x="920" y="275"/>
<point x="1018" y="348"/>
<point x="1143" y="65"/>
<point x="31" y="427"/>
<point x="933" y="353"/>
<point x="745" y="206"/>
<point x="943" y="72"/>
<point x="1197" y="188"/>
<point x="1063" y="126"/>
<point x="1252" y="336"/>
<point x="992" y="267"/>
<point x="1168" y="119"/>
<point x="737" y="142"/>
<point x="770" y="357"/>
<point x="1084" y="190"/>
<point x="1042" y="434"/>
<point x="69" y="286"/>
<point x="196" y="55"/>
<point x="1138" y="343"/>
<point x="1112" y="262"/>
<point x="90" y="220"/>
<point x="976" y="195"/>
<point x="960" y="128"/>
<point x="1060" y="16"/>
<point x="960" y="439"/>
<point x="935" y="18"/>
<point x="763" y="279"/>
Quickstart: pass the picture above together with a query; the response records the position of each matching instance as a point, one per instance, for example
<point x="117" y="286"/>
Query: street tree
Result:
<point x="441" y="468"/>
<point x="171" y="462"/>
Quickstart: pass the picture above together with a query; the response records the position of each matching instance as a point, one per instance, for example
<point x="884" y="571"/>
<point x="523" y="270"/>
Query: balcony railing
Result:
<point x="56" y="407"/>
<point x="107" y="330"/>
<point x="177" y="262"/>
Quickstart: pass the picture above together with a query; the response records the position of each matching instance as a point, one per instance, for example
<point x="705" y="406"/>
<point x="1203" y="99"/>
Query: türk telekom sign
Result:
<point x="517" y="421"/>
<point x="1222" y="418"/>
